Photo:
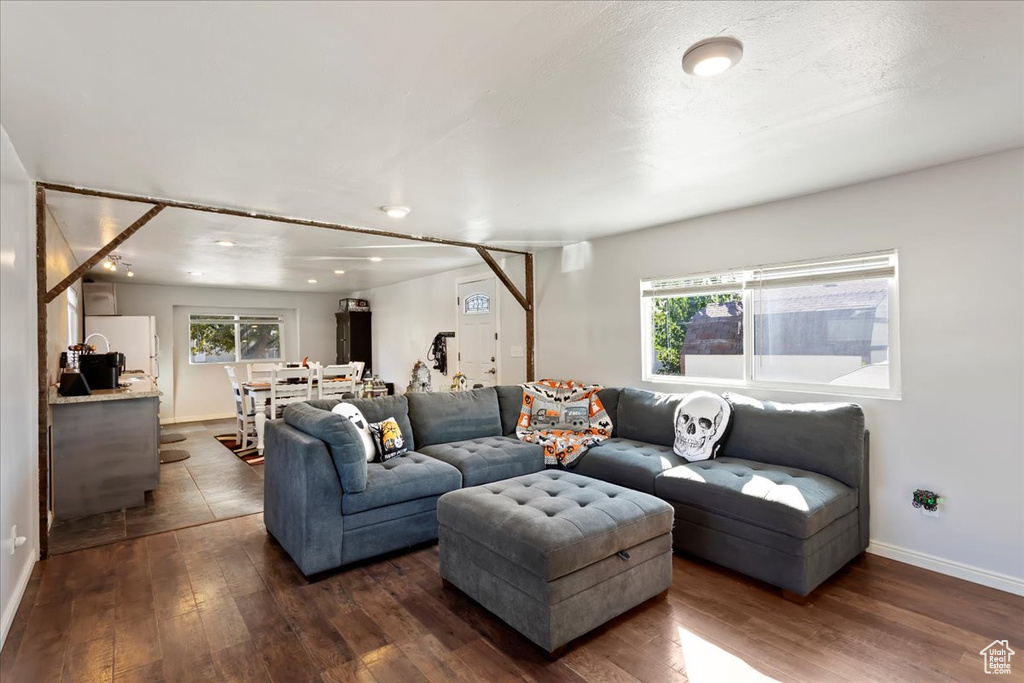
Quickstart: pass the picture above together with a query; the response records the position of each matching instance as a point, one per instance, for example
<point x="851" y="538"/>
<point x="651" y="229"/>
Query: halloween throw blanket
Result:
<point x="564" y="417"/>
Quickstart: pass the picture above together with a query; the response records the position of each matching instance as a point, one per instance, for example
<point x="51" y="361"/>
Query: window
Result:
<point x="234" y="338"/>
<point x="73" y="333"/>
<point x="477" y="303"/>
<point x="826" y="326"/>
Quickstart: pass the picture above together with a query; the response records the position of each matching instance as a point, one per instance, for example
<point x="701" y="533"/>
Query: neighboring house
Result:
<point x="997" y="657"/>
<point x="846" y="322"/>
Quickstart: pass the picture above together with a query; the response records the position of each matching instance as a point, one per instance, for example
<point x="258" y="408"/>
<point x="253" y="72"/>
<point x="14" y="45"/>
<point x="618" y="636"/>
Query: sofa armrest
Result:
<point x="302" y="497"/>
<point x="340" y="438"/>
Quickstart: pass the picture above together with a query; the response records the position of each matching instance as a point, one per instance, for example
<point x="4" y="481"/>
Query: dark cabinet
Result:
<point x="355" y="342"/>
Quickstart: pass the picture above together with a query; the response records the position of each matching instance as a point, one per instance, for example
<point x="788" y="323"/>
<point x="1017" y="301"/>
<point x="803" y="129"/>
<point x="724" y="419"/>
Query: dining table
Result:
<point x="259" y="395"/>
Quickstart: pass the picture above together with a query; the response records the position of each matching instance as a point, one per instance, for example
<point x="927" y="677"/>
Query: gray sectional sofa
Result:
<point x="786" y="500"/>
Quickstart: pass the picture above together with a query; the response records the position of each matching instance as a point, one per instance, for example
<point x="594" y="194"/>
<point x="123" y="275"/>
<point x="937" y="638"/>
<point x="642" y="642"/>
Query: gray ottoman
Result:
<point x="555" y="554"/>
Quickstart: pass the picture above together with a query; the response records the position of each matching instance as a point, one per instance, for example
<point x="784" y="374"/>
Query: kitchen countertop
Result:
<point x="103" y="395"/>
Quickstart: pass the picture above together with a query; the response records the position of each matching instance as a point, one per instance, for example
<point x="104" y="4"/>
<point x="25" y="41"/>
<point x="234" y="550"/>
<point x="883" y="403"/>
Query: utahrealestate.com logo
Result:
<point x="997" y="657"/>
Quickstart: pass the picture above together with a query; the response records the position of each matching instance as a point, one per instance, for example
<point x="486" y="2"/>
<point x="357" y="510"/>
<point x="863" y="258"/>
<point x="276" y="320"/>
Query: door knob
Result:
<point x="492" y="371"/>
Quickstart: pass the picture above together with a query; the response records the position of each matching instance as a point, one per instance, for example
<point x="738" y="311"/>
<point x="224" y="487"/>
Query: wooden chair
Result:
<point x="245" y="414"/>
<point x="261" y="372"/>
<point x="336" y="380"/>
<point x="283" y="391"/>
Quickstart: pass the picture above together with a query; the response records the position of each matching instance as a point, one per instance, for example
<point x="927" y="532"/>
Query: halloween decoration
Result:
<point x="701" y="421"/>
<point x="355" y="416"/>
<point x="459" y="382"/>
<point x="420" y="380"/>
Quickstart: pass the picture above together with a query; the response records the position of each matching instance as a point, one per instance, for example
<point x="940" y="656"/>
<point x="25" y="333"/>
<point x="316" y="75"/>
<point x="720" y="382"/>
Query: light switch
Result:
<point x="516" y="352"/>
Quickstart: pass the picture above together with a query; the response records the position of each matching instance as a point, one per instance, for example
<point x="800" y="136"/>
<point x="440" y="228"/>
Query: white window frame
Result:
<point x="239" y="318"/>
<point x="745" y="281"/>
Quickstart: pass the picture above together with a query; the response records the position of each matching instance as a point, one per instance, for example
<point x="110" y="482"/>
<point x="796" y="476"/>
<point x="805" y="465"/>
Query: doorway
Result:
<point x="477" y="332"/>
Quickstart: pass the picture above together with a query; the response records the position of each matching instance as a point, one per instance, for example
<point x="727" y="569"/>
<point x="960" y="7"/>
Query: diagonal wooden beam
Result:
<point x="102" y="253"/>
<point x="505" y="279"/>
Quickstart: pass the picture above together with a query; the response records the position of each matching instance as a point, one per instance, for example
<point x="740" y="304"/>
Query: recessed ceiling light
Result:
<point x="225" y="243"/>
<point x="339" y="272"/>
<point x="312" y="282"/>
<point x="396" y="211"/>
<point x="712" y="56"/>
<point x="376" y="259"/>
<point x="195" y="272"/>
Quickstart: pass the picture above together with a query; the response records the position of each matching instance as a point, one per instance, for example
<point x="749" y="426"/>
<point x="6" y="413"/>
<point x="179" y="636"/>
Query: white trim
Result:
<point x="966" y="572"/>
<point x="17" y="595"/>
<point x="195" y="418"/>
<point x="499" y="289"/>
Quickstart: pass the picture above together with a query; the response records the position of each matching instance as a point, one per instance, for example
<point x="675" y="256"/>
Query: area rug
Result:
<point x="250" y="456"/>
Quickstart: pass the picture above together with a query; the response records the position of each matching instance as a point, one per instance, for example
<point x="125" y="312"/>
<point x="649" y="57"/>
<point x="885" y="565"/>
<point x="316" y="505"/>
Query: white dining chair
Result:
<point x="289" y="385"/>
<point x="245" y="414"/>
<point x="336" y="380"/>
<point x="261" y="372"/>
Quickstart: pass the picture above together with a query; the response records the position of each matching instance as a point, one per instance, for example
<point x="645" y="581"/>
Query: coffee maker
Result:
<point x="102" y="370"/>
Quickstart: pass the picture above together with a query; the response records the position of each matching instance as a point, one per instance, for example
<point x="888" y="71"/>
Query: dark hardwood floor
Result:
<point x="222" y="601"/>
<point x="212" y="484"/>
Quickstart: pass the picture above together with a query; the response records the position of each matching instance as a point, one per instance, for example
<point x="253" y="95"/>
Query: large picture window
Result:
<point x="827" y="326"/>
<point x="234" y="338"/>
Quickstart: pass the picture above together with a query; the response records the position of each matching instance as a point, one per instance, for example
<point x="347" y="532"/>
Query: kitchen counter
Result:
<point x="106" y="448"/>
<point x="104" y="395"/>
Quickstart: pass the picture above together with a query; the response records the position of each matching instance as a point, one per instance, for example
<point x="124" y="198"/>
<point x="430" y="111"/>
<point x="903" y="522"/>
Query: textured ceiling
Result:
<point x="514" y="122"/>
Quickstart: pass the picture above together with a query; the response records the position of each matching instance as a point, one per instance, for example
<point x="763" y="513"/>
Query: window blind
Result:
<point x="211" y="319"/>
<point x="861" y="267"/>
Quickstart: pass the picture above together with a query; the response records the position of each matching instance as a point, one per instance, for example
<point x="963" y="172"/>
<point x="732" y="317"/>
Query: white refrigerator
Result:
<point x="133" y="335"/>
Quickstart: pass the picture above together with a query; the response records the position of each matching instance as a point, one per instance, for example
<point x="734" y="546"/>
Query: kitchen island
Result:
<point x="106" y="449"/>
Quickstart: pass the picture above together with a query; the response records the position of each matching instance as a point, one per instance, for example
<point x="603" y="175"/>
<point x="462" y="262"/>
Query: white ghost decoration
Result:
<point x="701" y="421"/>
<point x="355" y="416"/>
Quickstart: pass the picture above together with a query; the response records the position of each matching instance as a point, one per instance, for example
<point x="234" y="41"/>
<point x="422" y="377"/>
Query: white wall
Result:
<point x="18" y="382"/>
<point x="60" y="262"/>
<point x="407" y="315"/>
<point x="958" y="429"/>
<point x="193" y="392"/>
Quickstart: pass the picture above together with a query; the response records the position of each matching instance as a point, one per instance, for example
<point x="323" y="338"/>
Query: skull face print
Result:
<point x="700" y="422"/>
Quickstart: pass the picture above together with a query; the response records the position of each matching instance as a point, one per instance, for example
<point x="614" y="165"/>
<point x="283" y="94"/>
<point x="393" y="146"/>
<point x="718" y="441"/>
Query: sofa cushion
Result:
<point x="647" y="416"/>
<point x="827" y="438"/>
<point x="454" y="416"/>
<point x="342" y="440"/>
<point x="633" y="464"/>
<point x="489" y="458"/>
<point x="510" y="403"/>
<point x="402" y="479"/>
<point x="795" y="502"/>
<point x="376" y="410"/>
<point x="552" y="523"/>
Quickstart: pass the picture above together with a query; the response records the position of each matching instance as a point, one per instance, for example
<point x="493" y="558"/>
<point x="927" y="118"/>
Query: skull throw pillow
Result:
<point x="701" y="421"/>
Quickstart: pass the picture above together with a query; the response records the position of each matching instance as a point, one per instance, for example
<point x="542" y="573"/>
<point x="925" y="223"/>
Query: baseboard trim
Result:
<point x="966" y="572"/>
<point x="19" y="593"/>
<point x="195" y="418"/>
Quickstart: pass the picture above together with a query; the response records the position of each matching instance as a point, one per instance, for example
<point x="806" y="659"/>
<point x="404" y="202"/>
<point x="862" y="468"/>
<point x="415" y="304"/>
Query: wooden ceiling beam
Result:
<point x="226" y="211"/>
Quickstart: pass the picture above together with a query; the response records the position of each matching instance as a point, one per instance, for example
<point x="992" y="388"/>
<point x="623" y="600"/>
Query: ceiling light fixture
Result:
<point x="195" y="272"/>
<point x="396" y="211"/>
<point x="225" y="243"/>
<point x="339" y="272"/>
<point x="712" y="56"/>
<point x="312" y="282"/>
<point x="130" y="272"/>
<point x="376" y="259"/>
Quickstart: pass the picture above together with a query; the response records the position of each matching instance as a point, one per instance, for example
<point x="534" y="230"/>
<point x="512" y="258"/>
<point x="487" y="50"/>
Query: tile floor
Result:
<point x="211" y="485"/>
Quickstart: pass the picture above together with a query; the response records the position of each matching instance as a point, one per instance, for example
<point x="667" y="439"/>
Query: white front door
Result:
<point x="476" y="336"/>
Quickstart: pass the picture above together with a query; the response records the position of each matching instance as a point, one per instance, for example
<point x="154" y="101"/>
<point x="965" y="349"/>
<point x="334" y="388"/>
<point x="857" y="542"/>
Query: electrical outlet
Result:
<point x="929" y="513"/>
